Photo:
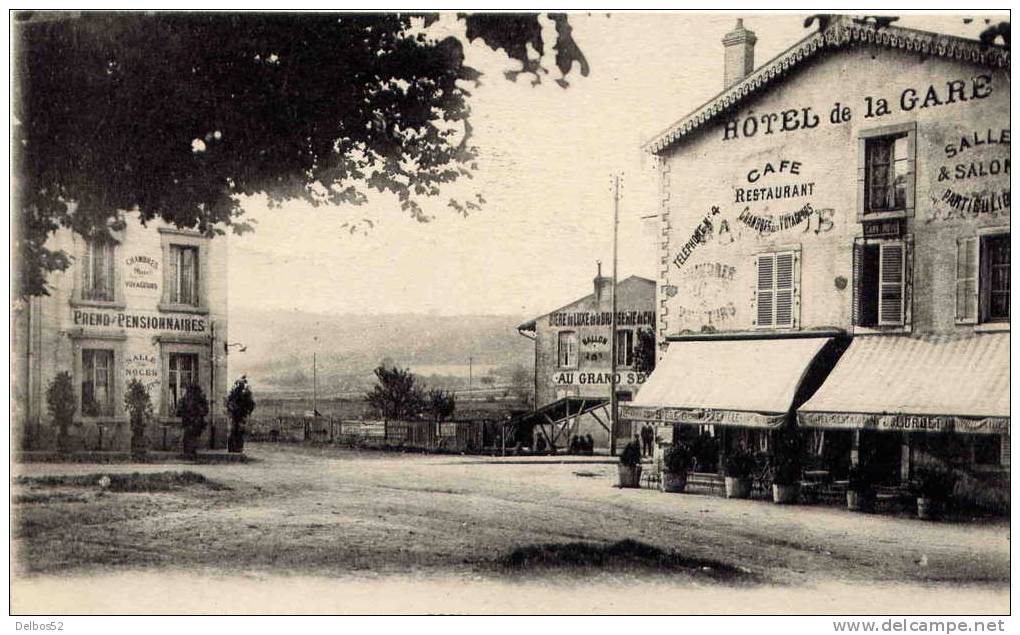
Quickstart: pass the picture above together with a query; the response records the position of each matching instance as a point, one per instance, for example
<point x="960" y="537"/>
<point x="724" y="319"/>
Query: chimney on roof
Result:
<point x="739" y="47"/>
<point x="601" y="283"/>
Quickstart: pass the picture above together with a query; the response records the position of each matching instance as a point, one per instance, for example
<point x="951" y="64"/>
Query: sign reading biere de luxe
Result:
<point x="139" y="320"/>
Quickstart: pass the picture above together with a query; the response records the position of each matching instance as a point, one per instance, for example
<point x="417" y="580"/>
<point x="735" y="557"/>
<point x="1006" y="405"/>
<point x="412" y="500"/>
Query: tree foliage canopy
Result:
<point x="397" y="394"/>
<point x="240" y="402"/>
<point x="177" y="116"/>
<point x="440" y="404"/>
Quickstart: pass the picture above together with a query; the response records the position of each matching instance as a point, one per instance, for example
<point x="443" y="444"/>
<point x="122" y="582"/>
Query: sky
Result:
<point x="547" y="156"/>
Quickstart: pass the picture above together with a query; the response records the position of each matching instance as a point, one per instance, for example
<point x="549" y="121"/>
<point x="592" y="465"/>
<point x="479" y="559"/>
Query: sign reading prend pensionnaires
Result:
<point x="137" y="320"/>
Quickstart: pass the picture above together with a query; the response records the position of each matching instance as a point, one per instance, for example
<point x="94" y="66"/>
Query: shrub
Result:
<point x="60" y="402"/>
<point x="678" y="459"/>
<point x="935" y="483"/>
<point x="192" y="408"/>
<point x="631" y="455"/>
<point x="738" y="464"/>
<point x="139" y="407"/>
<point x="240" y="404"/>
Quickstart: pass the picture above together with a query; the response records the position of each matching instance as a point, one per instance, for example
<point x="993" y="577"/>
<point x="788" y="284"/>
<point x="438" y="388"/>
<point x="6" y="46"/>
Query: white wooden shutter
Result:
<point x="784" y="292"/>
<point x="858" y="280"/>
<point x="891" y="279"/>
<point x="765" y="296"/>
<point x="967" y="280"/>
<point x="1004" y="450"/>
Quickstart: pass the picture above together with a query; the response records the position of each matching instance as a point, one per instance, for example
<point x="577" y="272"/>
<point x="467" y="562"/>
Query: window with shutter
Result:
<point x="967" y="280"/>
<point x="886" y="170"/>
<point x="776" y="290"/>
<point x="890" y="293"/>
<point x="766" y="285"/>
<point x="784" y="289"/>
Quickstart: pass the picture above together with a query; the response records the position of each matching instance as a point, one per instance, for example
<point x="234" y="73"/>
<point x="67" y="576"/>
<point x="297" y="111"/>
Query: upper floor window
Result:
<point x="881" y="282"/>
<point x="776" y="292"/>
<point x="97" y="271"/>
<point x="625" y="347"/>
<point x="886" y="174"/>
<point x="982" y="279"/>
<point x="886" y="170"/>
<point x="96" y="382"/>
<point x="184" y="276"/>
<point x="567" y="349"/>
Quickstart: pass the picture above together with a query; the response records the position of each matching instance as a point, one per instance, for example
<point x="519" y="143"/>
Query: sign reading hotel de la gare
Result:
<point x="139" y="320"/>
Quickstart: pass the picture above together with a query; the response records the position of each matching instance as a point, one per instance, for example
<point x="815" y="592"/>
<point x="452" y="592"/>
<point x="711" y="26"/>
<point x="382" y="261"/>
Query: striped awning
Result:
<point x="747" y="383"/>
<point x="903" y="383"/>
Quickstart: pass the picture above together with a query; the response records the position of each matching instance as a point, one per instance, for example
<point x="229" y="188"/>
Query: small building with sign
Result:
<point x="835" y="251"/>
<point x="573" y="359"/>
<point x="151" y="306"/>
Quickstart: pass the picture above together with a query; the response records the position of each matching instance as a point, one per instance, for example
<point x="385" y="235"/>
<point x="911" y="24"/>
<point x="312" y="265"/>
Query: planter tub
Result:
<point x="737" y="487"/>
<point x="630" y="476"/>
<point x="859" y="502"/>
<point x="674" y="483"/>
<point x="927" y="508"/>
<point x="785" y="494"/>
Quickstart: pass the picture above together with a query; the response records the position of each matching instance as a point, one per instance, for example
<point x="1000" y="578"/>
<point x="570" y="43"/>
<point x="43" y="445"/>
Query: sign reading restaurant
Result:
<point x="139" y="320"/>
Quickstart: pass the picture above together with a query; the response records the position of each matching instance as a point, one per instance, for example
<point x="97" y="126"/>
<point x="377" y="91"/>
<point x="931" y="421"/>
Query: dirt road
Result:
<point x="332" y="514"/>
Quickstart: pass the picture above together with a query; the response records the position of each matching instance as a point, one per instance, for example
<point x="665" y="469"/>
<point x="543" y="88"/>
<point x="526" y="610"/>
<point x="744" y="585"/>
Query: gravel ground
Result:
<point x="360" y="520"/>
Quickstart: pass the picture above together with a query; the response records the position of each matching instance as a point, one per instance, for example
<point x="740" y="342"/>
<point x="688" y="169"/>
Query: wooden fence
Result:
<point x="460" y="436"/>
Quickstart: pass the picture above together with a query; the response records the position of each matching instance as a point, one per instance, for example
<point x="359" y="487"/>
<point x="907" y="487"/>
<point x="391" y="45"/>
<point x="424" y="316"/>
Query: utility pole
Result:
<point x="614" y="406"/>
<point x="315" y="379"/>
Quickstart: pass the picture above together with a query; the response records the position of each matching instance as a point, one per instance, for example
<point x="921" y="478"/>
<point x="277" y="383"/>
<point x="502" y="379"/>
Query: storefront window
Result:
<point x="97" y="382"/>
<point x="183" y="371"/>
<point x="987" y="449"/>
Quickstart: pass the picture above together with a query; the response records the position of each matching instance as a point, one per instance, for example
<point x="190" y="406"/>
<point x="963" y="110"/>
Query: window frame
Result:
<point x="908" y="130"/>
<point x="977" y="299"/>
<point x="985" y="279"/>
<point x="794" y="251"/>
<point x="180" y="344"/>
<point x="83" y="258"/>
<point x="628" y="360"/>
<point x="559" y="349"/>
<point x="906" y="285"/>
<point x="170" y="239"/>
<point x="82" y="340"/>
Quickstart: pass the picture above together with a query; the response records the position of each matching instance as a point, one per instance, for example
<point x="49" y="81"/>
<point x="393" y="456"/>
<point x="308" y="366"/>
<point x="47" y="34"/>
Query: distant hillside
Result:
<point x="280" y="345"/>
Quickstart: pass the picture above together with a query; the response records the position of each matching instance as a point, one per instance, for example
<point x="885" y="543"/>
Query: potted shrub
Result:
<point x="860" y="489"/>
<point x="630" y="465"/>
<point x="737" y="470"/>
<point x="786" y="479"/>
<point x="676" y="463"/>
<point x="139" y="407"/>
<point x="933" y="487"/>
<point x="240" y="404"/>
<point x="192" y="408"/>
<point x="61" y="403"/>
